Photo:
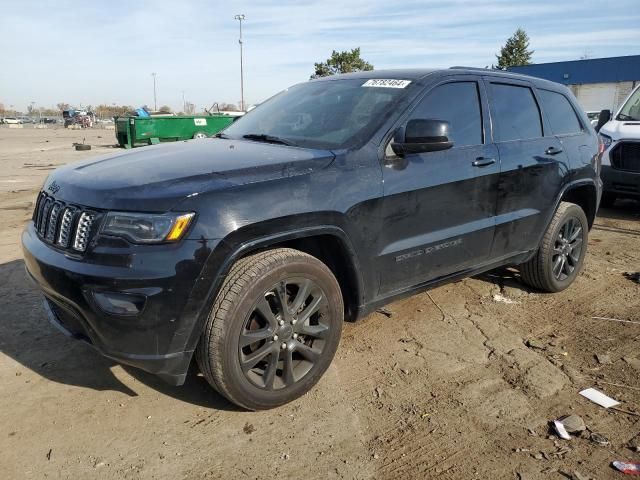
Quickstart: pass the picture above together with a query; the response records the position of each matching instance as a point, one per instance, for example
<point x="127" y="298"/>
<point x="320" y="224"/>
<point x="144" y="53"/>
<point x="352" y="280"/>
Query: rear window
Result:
<point x="562" y="117"/>
<point x="515" y="113"/>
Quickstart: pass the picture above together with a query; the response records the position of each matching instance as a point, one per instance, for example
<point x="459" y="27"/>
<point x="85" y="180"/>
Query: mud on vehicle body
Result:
<point x="330" y="199"/>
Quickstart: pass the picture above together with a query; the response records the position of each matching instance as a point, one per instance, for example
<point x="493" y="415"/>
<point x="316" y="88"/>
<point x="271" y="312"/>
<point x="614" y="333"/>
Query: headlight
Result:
<point x="147" y="227"/>
<point x="605" y="141"/>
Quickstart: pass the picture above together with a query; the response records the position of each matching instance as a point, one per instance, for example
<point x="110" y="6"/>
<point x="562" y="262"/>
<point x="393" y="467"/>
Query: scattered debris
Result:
<point x="437" y="306"/>
<point x="248" y="428"/>
<point x="603" y="358"/>
<point x="569" y="424"/>
<point x="599" y="439"/>
<point x="627" y="467"/>
<point x="378" y="392"/>
<point x="537" y="344"/>
<point x="285" y="456"/>
<point x="633" y="276"/>
<point x="498" y="297"/>
<point x="405" y="371"/>
<point x="562" y="432"/>
<point x="598" y="397"/>
<point x="385" y="312"/>
<point x="573" y="423"/>
<point x="615" y="320"/>
<point x="621" y="385"/>
<point x="628" y="412"/>
<point x="49" y="454"/>
<point x="376" y="456"/>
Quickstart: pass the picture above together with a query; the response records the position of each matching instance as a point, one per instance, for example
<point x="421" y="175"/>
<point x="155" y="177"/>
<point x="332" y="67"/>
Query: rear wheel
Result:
<point x="273" y="330"/>
<point x="561" y="254"/>
<point x="200" y="135"/>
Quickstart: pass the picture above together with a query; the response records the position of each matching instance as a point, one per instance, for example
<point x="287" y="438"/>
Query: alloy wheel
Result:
<point x="283" y="336"/>
<point x="567" y="249"/>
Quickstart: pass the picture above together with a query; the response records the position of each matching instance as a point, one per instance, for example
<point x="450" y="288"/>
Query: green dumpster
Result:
<point x="132" y="131"/>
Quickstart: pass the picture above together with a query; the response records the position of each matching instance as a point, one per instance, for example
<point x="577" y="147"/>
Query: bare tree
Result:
<point x="62" y="106"/>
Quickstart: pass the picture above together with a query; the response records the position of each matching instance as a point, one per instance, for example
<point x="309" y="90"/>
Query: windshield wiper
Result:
<point x="261" y="137"/>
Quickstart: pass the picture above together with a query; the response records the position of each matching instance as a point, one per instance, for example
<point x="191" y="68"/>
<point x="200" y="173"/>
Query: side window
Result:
<point x="562" y="117"/>
<point x="516" y="115"/>
<point x="459" y="104"/>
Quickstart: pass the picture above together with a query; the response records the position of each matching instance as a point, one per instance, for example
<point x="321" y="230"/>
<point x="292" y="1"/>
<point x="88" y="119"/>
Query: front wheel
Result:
<point x="200" y="135"/>
<point x="273" y="330"/>
<point x="561" y="254"/>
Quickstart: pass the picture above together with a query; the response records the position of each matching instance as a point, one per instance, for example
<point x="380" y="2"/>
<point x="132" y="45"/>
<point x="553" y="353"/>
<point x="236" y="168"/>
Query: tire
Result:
<point x="541" y="271"/>
<point x="608" y="200"/>
<point x="247" y="308"/>
<point x="83" y="147"/>
<point x="200" y="135"/>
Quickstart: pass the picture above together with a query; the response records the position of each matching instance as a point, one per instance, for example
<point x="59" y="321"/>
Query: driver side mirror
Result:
<point x="422" y="135"/>
<point x="604" y="117"/>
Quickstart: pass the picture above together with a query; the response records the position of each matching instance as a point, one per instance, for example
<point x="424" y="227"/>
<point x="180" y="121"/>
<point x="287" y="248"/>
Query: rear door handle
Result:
<point x="553" y="151"/>
<point x="483" y="162"/>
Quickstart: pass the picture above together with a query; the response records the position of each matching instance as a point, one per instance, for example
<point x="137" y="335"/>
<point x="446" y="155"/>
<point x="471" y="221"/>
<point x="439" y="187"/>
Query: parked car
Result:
<point x="327" y="201"/>
<point x="621" y="158"/>
<point x="12" y="120"/>
<point x="593" y="118"/>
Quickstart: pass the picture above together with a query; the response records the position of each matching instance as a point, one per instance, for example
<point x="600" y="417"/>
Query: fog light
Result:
<point x="120" y="303"/>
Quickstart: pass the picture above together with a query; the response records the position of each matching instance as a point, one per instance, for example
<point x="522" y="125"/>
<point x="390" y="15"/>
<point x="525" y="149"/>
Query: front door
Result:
<point x="439" y="207"/>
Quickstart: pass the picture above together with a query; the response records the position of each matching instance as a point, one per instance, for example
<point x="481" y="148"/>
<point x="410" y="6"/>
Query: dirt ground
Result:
<point x="456" y="383"/>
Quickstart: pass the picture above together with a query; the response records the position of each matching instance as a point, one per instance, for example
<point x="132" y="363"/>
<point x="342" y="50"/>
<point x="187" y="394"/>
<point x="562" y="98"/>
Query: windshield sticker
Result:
<point x="386" y="83"/>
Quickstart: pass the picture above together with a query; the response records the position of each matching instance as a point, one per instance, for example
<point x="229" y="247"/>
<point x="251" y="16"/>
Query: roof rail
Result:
<point x="462" y="67"/>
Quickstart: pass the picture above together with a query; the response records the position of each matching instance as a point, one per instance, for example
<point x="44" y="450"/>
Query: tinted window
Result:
<point x="562" y="117"/>
<point x="515" y="113"/>
<point x="459" y="104"/>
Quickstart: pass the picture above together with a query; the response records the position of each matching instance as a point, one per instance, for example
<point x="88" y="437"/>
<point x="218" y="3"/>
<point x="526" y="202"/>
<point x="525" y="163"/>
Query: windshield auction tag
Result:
<point x="386" y="83"/>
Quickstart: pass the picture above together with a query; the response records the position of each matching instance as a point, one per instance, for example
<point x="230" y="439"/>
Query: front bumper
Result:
<point x="620" y="182"/>
<point x="159" y="338"/>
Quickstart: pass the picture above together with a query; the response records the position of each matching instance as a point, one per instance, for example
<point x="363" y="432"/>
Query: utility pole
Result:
<point x="240" y="18"/>
<point x="155" y="98"/>
<point x="184" y="105"/>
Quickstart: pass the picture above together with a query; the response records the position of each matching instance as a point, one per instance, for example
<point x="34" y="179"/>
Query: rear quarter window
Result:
<point x="515" y="113"/>
<point x="561" y="115"/>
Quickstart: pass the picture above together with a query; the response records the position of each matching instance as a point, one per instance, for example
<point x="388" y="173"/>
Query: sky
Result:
<point x="90" y="52"/>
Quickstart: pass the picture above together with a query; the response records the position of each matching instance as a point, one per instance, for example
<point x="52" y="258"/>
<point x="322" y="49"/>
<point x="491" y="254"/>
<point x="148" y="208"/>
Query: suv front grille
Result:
<point x="65" y="226"/>
<point x="626" y="156"/>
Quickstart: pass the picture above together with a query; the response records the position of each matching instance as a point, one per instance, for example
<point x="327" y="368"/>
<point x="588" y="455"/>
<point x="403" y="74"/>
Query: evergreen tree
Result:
<point x="342" y="62"/>
<point x="515" y="51"/>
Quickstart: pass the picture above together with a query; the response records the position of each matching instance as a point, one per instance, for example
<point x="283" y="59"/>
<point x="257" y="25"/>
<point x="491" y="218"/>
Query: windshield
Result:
<point x="326" y="114"/>
<point x="631" y="109"/>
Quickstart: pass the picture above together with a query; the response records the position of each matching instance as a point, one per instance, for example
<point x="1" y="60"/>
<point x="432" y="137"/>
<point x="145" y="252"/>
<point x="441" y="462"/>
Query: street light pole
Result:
<point x="184" y="105"/>
<point x="240" y="18"/>
<point x="155" y="98"/>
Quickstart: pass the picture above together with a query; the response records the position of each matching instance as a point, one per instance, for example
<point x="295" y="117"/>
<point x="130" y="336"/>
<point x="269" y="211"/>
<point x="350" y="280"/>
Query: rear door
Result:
<point x="439" y="206"/>
<point x="532" y="166"/>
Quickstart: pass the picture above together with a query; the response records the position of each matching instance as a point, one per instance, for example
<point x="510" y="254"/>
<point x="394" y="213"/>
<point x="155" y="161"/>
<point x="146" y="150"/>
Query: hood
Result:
<point x="622" y="129"/>
<point x="155" y="178"/>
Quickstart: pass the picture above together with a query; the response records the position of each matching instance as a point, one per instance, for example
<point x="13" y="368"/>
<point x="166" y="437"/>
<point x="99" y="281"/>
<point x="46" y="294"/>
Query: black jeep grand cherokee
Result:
<point x="330" y="199"/>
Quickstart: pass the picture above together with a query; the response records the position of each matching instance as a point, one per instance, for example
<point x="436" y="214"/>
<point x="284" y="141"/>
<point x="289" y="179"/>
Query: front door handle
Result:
<point x="483" y="162"/>
<point x="553" y="151"/>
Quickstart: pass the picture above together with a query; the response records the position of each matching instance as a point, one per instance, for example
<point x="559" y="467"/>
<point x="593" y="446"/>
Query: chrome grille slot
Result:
<point x="47" y="203"/>
<point x="83" y="231"/>
<point x="53" y="221"/>
<point x="66" y="227"/>
<point x="62" y="225"/>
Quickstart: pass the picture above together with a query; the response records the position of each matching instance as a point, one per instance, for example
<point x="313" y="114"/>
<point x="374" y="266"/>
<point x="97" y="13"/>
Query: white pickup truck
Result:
<point x="621" y="158"/>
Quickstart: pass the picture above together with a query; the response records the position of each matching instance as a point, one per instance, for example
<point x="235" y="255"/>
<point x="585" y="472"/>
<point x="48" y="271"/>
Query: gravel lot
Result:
<point x="459" y="382"/>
